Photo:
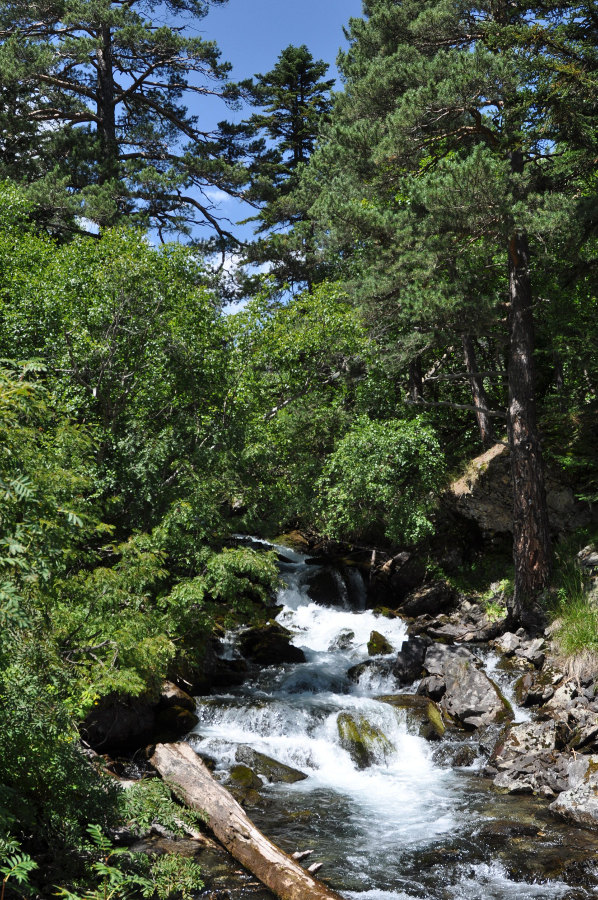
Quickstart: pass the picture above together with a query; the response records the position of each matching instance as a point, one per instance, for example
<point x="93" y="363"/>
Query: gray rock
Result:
<point x="433" y="686"/>
<point x="533" y="651"/>
<point x="526" y="761"/>
<point x="579" y="804"/>
<point x="171" y="695"/>
<point x="431" y="599"/>
<point x="508" y="643"/>
<point x="471" y="698"/>
<point x="268" y="768"/>
<point x="409" y="662"/>
<point x="342" y="641"/>
<point x="438" y="656"/>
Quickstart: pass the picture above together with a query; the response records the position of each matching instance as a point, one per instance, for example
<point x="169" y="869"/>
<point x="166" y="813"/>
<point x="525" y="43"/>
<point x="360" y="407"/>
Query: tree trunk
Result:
<point x="416" y="380"/>
<point x="478" y="392"/>
<point x="106" y="110"/>
<point x="530" y="518"/>
<point x="189" y="778"/>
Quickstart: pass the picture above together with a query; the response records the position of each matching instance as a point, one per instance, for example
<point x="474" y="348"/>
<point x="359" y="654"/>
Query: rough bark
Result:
<point x="106" y="107"/>
<point x="478" y="392"/>
<point x="530" y="517"/>
<point x="416" y="380"/>
<point x="193" y="783"/>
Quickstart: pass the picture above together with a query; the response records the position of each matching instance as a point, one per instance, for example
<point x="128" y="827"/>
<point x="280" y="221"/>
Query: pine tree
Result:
<point x="103" y="85"/>
<point x="443" y="181"/>
<point x="294" y="98"/>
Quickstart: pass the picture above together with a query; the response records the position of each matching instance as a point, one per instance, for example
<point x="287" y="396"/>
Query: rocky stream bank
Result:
<point x="495" y="707"/>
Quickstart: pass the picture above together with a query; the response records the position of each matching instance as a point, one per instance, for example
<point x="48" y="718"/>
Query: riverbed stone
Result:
<point x="365" y="743"/>
<point x="269" y="645"/>
<point x="579" y="804"/>
<point x="428" y="713"/>
<point x="378" y="645"/>
<point x="526" y="761"/>
<point x="343" y="640"/>
<point x="270" y="769"/>
<point x="409" y="661"/>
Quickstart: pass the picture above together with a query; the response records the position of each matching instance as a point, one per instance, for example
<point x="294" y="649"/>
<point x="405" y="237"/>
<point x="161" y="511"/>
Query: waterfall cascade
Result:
<point x="403" y="826"/>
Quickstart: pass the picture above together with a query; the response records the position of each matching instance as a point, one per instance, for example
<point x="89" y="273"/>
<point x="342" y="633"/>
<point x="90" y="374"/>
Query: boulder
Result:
<point x="508" y="643"/>
<point x="364" y="742"/>
<point x="175" y="720"/>
<point x="245" y="778"/>
<point x="326" y="587"/>
<point x="483" y="495"/>
<point x="470" y="698"/>
<point x="120" y="723"/>
<point x="270" y="769"/>
<point x="379" y="666"/>
<point x="526" y="761"/>
<point x="426" y="711"/>
<point x="579" y="803"/>
<point x="431" y="600"/>
<point x="378" y="645"/>
<point x="532" y="689"/>
<point x="432" y="686"/>
<point x="342" y="641"/>
<point x="270" y="645"/>
<point x="409" y="662"/>
<point x="172" y="695"/>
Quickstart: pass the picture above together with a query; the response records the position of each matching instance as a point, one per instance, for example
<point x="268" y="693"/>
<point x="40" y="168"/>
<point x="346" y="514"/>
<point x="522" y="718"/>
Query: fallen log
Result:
<point x="192" y="782"/>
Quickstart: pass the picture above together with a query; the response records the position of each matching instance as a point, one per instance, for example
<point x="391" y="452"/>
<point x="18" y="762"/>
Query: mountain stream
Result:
<point x="406" y="826"/>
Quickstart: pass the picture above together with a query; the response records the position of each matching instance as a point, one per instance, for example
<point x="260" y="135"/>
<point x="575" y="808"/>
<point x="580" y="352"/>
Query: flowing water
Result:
<point x="407" y="826"/>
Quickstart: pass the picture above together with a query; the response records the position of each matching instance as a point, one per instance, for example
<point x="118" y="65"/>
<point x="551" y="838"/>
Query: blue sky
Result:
<point x="252" y="33"/>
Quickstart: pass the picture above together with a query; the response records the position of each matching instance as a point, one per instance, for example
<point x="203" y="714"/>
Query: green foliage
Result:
<point x="14" y="865"/>
<point x="119" y="874"/>
<point x="94" y="114"/>
<point x="381" y="479"/>
<point x="149" y="801"/>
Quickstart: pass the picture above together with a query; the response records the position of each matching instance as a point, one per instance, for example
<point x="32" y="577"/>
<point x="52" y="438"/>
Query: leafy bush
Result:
<point x="380" y="480"/>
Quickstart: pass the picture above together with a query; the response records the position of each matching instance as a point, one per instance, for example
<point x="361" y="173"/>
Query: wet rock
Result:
<point x="377" y="667"/>
<point x="433" y="686"/>
<point x="172" y="695"/>
<point x="431" y="599"/>
<point x="432" y="727"/>
<point x="326" y="587"/>
<point x="364" y="742"/>
<point x="409" y="662"/>
<point x="244" y="777"/>
<point x="270" y="769"/>
<point x="579" y="804"/>
<point x="342" y="641"/>
<point x="378" y="645"/>
<point x="270" y="645"/>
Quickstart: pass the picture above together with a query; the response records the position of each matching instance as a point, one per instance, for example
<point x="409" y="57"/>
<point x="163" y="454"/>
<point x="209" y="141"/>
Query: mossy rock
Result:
<point x="270" y="769"/>
<point x="244" y="777"/>
<point x="386" y="612"/>
<point x="364" y="742"/>
<point x="433" y="727"/>
<point x="378" y="645"/>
